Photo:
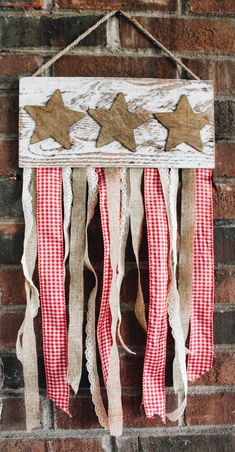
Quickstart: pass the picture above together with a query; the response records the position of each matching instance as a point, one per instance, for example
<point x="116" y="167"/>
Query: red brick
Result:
<point x="222" y="372"/>
<point x="83" y="414"/>
<point x="134" y="416"/>
<point x="132" y="369"/>
<point x="159" y="5"/>
<point x="11" y="243"/>
<point x="224" y="202"/>
<point x="13" y="414"/>
<point x="8" y="158"/>
<point x="212" y="409"/>
<point x="225" y="285"/>
<point x="84" y="417"/>
<point x="9" y="114"/>
<point x="183" y="34"/>
<point x="114" y="66"/>
<point x="212" y="6"/>
<point x="12" y="286"/>
<point x="23" y="445"/>
<point x="224" y="241"/>
<point x="26" y="4"/>
<point x="14" y="66"/>
<point x="225" y="159"/>
<point x="221" y="72"/>
<point x="9" y="325"/>
<point x="76" y="444"/>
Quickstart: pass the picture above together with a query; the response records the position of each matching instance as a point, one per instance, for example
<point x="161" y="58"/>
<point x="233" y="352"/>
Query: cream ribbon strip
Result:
<point x="169" y="180"/>
<point x="76" y="288"/>
<point x="113" y="382"/>
<point x="136" y="221"/>
<point x="187" y="230"/>
<point x="90" y="347"/>
<point x="67" y="205"/>
<point x="26" y="341"/>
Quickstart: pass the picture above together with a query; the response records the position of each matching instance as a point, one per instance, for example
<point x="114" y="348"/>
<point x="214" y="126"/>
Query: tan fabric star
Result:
<point x="53" y="120"/>
<point x="184" y="125"/>
<point x="118" y="123"/>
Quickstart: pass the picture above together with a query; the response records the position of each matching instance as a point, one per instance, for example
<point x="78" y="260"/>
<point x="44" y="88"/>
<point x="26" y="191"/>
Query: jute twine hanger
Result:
<point x="104" y="19"/>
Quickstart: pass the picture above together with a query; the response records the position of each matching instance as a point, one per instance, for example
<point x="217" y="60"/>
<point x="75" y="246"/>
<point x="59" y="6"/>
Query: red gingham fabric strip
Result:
<point x="154" y="396"/>
<point x="51" y="280"/>
<point x="201" y="317"/>
<point x="104" y="335"/>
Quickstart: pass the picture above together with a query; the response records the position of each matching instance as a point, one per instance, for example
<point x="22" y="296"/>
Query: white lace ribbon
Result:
<point x="169" y="180"/>
<point x="26" y="342"/>
<point x="124" y="229"/>
<point x="90" y="347"/>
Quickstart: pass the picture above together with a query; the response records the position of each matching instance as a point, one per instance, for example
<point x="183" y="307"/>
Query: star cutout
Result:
<point x="118" y="123"/>
<point x="183" y="125"/>
<point x="53" y="120"/>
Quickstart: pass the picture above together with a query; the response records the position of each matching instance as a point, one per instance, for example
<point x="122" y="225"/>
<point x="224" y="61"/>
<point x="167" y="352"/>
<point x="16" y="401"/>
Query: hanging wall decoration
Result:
<point x="85" y="141"/>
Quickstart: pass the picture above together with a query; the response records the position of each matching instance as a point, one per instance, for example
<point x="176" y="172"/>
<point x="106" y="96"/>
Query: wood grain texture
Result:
<point x="118" y="123"/>
<point x="142" y="96"/>
<point x="183" y="125"/>
<point x="53" y="120"/>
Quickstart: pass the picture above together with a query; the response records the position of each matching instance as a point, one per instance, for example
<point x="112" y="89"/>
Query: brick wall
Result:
<point x="202" y="33"/>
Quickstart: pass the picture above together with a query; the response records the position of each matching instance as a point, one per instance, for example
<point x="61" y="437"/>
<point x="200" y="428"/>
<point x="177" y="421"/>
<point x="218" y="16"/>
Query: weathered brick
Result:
<point x="40" y="31"/>
<point x="8" y="158"/>
<point x="9" y="325"/>
<point x="85" y="444"/>
<point x="20" y="4"/>
<point x="10" y="198"/>
<point x="9" y="114"/>
<point x="224" y="327"/>
<point x="132" y="369"/>
<point x="215" y="442"/>
<point x="212" y="6"/>
<point x="224" y="243"/>
<point x="224" y="120"/>
<point x="11" y="243"/>
<point x="159" y="5"/>
<point x="182" y="34"/>
<point x="14" y="66"/>
<point x="12" y="286"/>
<point x="222" y="372"/>
<point x="221" y="72"/>
<point x="225" y="285"/>
<point x="24" y="445"/>
<point x="224" y="202"/>
<point x="204" y="409"/>
<point x="225" y="159"/>
<point x="13" y="373"/>
<point x="83" y="414"/>
<point x="114" y="66"/>
<point x="13" y="414"/>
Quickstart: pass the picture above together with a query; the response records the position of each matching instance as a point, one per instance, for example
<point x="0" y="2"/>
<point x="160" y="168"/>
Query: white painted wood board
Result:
<point x="143" y="95"/>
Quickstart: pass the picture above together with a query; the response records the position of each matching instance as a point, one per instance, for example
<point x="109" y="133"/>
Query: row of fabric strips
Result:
<point x="45" y="197"/>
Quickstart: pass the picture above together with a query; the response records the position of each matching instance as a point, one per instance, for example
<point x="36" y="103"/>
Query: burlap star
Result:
<point x="184" y="125"/>
<point x="53" y="120"/>
<point x="118" y="123"/>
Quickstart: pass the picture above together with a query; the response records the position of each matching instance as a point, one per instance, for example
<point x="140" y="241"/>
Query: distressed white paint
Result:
<point x="148" y="95"/>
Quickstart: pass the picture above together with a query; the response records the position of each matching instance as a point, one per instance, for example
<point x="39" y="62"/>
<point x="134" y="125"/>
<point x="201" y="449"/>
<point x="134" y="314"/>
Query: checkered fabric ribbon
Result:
<point x="104" y="335"/>
<point x="51" y="280"/>
<point x="154" y="397"/>
<point x="201" y="317"/>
